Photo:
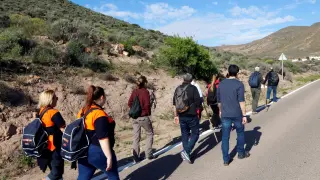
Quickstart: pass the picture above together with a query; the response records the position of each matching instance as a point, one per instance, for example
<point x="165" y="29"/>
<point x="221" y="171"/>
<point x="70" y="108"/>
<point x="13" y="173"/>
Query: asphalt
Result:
<point x="288" y="147"/>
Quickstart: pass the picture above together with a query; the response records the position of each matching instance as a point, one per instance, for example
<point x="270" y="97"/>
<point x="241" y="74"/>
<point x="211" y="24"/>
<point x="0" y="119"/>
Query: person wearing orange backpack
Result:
<point x="53" y="124"/>
<point x="100" y="130"/>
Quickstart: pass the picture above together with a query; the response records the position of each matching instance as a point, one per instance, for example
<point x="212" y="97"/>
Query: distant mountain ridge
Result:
<point x="294" y="41"/>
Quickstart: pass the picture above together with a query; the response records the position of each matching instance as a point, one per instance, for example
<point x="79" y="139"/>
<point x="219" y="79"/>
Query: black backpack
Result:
<point x="181" y="99"/>
<point x="75" y="142"/>
<point x="135" y="110"/>
<point x="34" y="137"/>
<point x="254" y="80"/>
<point x="274" y="78"/>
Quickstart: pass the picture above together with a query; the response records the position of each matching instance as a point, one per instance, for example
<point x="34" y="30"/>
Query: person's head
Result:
<point x="142" y="81"/>
<point x="257" y="69"/>
<point x="271" y="68"/>
<point x="187" y="78"/>
<point x="48" y="99"/>
<point x="95" y="95"/>
<point x="233" y="70"/>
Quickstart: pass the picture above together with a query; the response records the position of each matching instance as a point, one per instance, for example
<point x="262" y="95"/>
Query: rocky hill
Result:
<point x="294" y="41"/>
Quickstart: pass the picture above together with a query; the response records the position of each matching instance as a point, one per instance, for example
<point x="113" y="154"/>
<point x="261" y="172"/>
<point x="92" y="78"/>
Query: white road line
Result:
<point x="166" y="149"/>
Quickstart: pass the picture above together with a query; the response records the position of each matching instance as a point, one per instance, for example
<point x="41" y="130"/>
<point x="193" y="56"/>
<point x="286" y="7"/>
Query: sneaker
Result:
<point x="246" y="155"/>
<point x="254" y="113"/>
<point x="226" y="163"/>
<point x="136" y="157"/>
<point x="151" y="157"/>
<point x="185" y="157"/>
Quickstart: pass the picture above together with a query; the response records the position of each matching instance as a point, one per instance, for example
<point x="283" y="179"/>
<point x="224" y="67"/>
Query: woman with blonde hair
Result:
<point x="212" y="101"/>
<point x="53" y="124"/>
<point x="100" y="130"/>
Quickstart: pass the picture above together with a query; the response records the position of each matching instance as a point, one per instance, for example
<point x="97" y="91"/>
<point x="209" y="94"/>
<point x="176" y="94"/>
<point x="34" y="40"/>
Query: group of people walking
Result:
<point x="225" y="96"/>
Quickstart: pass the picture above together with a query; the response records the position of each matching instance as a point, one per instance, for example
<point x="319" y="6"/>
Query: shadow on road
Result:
<point x="160" y="168"/>
<point x="206" y="145"/>
<point x="252" y="138"/>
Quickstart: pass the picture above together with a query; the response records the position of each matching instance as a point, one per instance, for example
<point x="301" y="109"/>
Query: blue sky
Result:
<point x="211" y="22"/>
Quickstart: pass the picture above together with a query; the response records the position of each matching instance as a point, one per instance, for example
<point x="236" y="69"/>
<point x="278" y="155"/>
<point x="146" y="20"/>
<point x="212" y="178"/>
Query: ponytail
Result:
<point x="212" y="86"/>
<point x="94" y="93"/>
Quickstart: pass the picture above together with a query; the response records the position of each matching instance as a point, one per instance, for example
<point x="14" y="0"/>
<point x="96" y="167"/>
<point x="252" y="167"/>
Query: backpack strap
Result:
<point x="40" y="115"/>
<point x="88" y="112"/>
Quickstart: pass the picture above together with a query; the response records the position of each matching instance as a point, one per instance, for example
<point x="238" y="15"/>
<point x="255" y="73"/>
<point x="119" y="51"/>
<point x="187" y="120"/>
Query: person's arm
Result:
<point x="266" y="79"/>
<point x="105" y="146"/>
<point x="146" y="102"/>
<point x="175" y="113"/>
<point x="59" y="121"/>
<point x="131" y="99"/>
<point x="196" y="98"/>
<point x="219" y="100"/>
<point x="241" y="100"/>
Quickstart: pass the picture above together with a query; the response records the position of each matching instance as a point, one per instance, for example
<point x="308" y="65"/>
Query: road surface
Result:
<point x="289" y="147"/>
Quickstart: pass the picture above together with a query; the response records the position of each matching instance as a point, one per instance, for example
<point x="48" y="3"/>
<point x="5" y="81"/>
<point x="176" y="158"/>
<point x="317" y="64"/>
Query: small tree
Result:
<point x="184" y="55"/>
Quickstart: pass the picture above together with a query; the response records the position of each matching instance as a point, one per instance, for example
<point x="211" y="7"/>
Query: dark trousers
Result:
<point x="189" y="132"/>
<point x="255" y="98"/>
<point x="215" y="119"/>
<point x="97" y="160"/>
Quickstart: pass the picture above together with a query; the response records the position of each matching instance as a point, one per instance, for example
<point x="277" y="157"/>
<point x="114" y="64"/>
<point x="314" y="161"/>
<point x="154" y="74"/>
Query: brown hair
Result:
<point x="214" y="78"/>
<point x="142" y="81"/>
<point x="94" y="93"/>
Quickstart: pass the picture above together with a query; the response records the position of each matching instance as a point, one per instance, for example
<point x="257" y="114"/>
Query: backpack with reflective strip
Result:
<point x="75" y="142"/>
<point x="34" y="137"/>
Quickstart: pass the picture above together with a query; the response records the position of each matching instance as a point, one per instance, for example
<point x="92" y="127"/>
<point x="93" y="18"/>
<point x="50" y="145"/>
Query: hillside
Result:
<point x="104" y="27"/>
<point x="294" y="41"/>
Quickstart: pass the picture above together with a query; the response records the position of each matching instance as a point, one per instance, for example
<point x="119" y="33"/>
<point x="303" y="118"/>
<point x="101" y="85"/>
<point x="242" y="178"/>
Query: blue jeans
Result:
<point x="97" y="160"/>
<point x="274" y="90"/>
<point x="189" y="128"/>
<point x="226" y="129"/>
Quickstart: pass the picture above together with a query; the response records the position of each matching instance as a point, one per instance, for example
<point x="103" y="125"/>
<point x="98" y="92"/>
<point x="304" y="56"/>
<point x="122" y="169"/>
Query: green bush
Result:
<point x="128" y="46"/>
<point x="4" y="21"/>
<point x="292" y="67"/>
<point x="269" y="61"/>
<point x="45" y="56"/>
<point x="183" y="55"/>
<point x="30" y="26"/>
<point x="61" y="30"/>
<point x="9" y="42"/>
<point x="145" y="43"/>
<point x="75" y="50"/>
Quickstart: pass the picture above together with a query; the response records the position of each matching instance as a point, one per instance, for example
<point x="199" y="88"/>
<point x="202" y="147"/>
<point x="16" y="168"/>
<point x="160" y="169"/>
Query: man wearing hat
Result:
<point x="187" y="102"/>
<point x="273" y="80"/>
<point x="255" y="81"/>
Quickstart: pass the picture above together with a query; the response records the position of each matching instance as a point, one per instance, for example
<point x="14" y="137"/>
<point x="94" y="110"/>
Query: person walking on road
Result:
<point x="213" y="103"/>
<point x="201" y="96"/>
<point x="273" y="80"/>
<point x="255" y="81"/>
<point x="143" y="121"/>
<point x="187" y="102"/>
<point x="231" y="102"/>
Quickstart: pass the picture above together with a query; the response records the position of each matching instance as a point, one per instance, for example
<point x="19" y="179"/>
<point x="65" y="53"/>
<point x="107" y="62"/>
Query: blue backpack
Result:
<point x="34" y="137"/>
<point x="254" y="80"/>
<point x="75" y="142"/>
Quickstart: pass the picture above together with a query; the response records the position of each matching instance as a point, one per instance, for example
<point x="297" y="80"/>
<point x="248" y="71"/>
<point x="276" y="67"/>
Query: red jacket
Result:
<point x="144" y="98"/>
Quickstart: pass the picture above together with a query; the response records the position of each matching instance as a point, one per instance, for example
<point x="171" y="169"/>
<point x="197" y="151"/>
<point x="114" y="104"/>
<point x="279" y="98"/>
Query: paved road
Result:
<point x="289" y="147"/>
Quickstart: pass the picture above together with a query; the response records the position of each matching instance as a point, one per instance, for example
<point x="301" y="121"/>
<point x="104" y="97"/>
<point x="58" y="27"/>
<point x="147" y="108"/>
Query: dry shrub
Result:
<point x="108" y="77"/>
<point x="130" y="79"/>
<point x="78" y="90"/>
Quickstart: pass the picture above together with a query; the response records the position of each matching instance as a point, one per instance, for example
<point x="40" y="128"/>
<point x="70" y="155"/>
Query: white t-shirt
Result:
<point x="198" y="87"/>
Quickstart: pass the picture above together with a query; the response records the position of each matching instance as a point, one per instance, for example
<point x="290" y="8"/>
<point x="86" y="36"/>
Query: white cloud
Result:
<point x="225" y="30"/>
<point x="162" y="12"/>
<point x="113" y="10"/>
<point x="296" y="3"/>
<point x="215" y="3"/>
<point x="250" y="11"/>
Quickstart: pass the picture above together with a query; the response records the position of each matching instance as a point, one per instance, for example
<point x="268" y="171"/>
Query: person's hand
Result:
<point x="244" y="120"/>
<point x="109" y="164"/>
<point x="176" y="120"/>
